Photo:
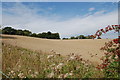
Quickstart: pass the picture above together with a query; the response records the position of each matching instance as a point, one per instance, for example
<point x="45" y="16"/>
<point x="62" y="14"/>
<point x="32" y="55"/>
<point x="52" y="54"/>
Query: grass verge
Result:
<point x="23" y="63"/>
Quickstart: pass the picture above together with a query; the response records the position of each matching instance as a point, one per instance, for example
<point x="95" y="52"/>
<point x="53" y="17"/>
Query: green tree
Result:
<point x="65" y="38"/>
<point x="40" y="35"/>
<point x="20" y="32"/>
<point x="48" y="35"/>
<point x="9" y="30"/>
<point x="34" y="35"/>
<point x="88" y="37"/>
<point x="27" y="33"/>
<point x="56" y="36"/>
<point x="72" y="37"/>
<point x="81" y="37"/>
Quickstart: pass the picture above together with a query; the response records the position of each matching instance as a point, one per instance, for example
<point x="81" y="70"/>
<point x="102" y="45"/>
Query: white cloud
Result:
<point x="91" y="9"/>
<point x="27" y="18"/>
<point x="50" y="8"/>
<point x="100" y="12"/>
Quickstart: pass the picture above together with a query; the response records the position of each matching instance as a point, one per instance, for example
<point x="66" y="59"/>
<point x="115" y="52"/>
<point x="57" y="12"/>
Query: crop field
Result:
<point x="28" y="57"/>
<point x="23" y="63"/>
<point x="89" y="49"/>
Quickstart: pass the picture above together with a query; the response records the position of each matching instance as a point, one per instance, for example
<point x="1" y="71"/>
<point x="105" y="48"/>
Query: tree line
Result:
<point x="79" y="37"/>
<point x="47" y="35"/>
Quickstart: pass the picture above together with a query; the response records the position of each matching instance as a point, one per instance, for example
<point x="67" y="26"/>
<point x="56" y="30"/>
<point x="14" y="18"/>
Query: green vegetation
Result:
<point x="12" y="31"/>
<point x="22" y="63"/>
<point x="111" y="59"/>
<point x="47" y="35"/>
<point x="79" y="37"/>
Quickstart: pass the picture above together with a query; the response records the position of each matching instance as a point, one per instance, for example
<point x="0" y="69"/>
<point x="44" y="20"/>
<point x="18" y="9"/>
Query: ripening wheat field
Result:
<point x="42" y="58"/>
<point x="89" y="49"/>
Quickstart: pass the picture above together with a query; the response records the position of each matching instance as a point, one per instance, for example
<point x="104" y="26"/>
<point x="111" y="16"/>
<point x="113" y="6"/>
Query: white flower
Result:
<point x="51" y="75"/>
<point x="58" y="54"/>
<point x="70" y="74"/>
<point x="61" y="76"/>
<point x="71" y="71"/>
<point x="36" y="73"/>
<point x="52" y="65"/>
<point x="21" y="75"/>
<point x="52" y="50"/>
<point x="66" y="75"/>
<point x="86" y="65"/>
<point x="19" y="66"/>
<point x="33" y="75"/>
<point x="29" y="71"/>
<point x="72" y="58"/>
<point x="12" y="71"/>
<point x="83" y="62"/>
<point x="59" y="66"/>
<point x="50" y="56"/>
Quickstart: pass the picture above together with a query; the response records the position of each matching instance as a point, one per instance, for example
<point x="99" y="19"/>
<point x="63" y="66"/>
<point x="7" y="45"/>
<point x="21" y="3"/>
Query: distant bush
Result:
<point x="79" y="37"/>
<point x="65" y="38"/>
<point x="49" y="35"/>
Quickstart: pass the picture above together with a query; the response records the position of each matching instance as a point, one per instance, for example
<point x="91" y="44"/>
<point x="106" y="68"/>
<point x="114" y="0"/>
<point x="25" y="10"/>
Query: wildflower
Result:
<point x="21" y="75"/>
<point x="52" y="65"/>
<point x="71" y="71"/>
<point x="59" y="66"/>
<point x="51" y="75"/>
<point x="115" y="41"/>
<point x="77" y="67"/>
<point x="86" y="65"/>
<point x="101" y="58"/>
<point x="9" y="73"/>
<point x="50" y="56"/>
<point x="72" y="58"/>
<point x="29" y="71"/>
<point x="61" y="76"/>
<point x="33" y="75"/>
<point x="98" y="67"/>
<point x="52" y="50"/>
<point x="12" y="71"/>
<point x="58" y="54"/>
<point x="9" y="48"/>
<point x="66" y="75"/>
<point x="82" y="62"/>
<point x="106" y="53"/>
<point x="19" y="66"/>
<point x="70" y="74"/>
<point x="36" y="73"/>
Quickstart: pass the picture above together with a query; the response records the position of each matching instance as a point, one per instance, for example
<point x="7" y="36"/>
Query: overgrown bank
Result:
<point x="22" y="63"/>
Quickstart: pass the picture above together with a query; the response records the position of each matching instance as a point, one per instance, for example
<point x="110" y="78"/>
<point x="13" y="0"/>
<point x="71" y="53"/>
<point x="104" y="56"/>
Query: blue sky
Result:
<point x="67" y="18"/>
<point x="66" y="9"/>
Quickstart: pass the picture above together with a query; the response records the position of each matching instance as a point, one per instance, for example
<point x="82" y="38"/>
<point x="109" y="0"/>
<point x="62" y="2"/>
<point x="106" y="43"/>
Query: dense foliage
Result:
<point x="111" y="60"/>
<point x="79" y="37"/>
<point x="48" y="35"/>
<point x="12" y="31"/>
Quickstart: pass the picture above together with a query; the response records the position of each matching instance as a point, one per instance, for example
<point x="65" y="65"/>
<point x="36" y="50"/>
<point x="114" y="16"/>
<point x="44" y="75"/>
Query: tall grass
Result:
<point x="22" y="63"/>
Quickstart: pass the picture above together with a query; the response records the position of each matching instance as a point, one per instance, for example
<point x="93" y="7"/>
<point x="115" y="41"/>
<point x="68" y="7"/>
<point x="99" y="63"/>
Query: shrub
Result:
<point x="111" y="59"/>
